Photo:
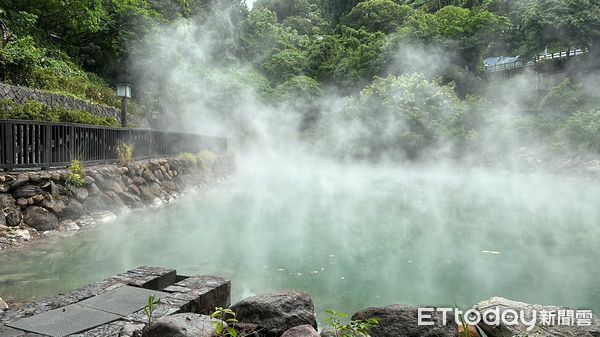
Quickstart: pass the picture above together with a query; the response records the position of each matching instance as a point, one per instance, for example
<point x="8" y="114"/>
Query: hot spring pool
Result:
<point x="352" y="237"/>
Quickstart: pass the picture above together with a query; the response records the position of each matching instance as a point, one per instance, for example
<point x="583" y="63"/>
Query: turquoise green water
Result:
<point x="352" y="237"/>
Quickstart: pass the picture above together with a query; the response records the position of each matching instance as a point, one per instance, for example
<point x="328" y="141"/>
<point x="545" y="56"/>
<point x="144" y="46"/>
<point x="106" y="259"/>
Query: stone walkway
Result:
<point x="114" y="306"/>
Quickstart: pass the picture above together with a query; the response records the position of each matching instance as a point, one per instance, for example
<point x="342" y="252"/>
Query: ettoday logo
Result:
<point x="495" y="317"/>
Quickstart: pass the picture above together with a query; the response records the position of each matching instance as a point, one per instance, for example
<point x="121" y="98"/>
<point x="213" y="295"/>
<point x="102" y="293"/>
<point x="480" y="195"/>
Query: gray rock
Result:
<point x="139" y="181"/>
<point x="87" y="180"/>
<point x="54" y="188"/>
<point x="180" y="325"/>
<point x="277" y="312"/>
<point x="301" y="331"/>
<point x="73" y="210"/>
<point x="4" y="188"/>
<point x="130" y="199"/>
<point x="23" y="203"/>
<point x="110" y="184"/>
<point x="3" y="305"/>
<point x="80" y="193"/>
<point x="22" y="180"/>
<point x="98" y="177"/>
<point x="2" y="219"/>
<point x="56" y="207"/>
<point x="27" y="191"/>
<point x="169" y="185"/>
<point x="126" y="180"/>
<point x="68" y="225"/>
<point x="146" y="193"/>
<point x="11" y="210"/>
<point x="133" y="189"/>
<point x="503" y="330"/>
<point x="40" y="219"/>
<point x="148" y="176"/>
<point x="116" y="200"/>
<point x="402" y="321"/>
<point x="93" y="190"/>
<point x="101" y="202"/>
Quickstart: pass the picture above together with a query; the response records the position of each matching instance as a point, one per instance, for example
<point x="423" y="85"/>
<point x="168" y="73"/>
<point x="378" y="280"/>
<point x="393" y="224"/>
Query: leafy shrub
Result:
<point x="224" y="321"/>
<point x="188" y="157"/>
<point x="354" y="328"/>
<point x="582" y="130"/>
<point x="76" y="174"/>
<point x="36" y="111"/>
<point x="124" y="153"/>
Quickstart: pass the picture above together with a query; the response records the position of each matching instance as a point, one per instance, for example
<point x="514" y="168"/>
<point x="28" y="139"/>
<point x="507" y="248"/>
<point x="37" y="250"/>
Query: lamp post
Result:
<point x="124" y="91"/>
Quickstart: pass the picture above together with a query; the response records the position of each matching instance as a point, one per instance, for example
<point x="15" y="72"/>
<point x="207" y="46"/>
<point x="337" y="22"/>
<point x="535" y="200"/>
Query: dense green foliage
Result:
<point x="32" y="110"/>
<point x="410" y="70"/>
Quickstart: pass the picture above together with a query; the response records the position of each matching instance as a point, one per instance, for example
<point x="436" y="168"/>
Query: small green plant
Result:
<point x="354" y="328"/>
<point x="124" y="153"/>
<point x="188" y="157"/>
<point x="150" y="307"/>
<point x="206" y="156"/>
<point x="224" y="322"/>
<point x="76" y="174"/>
<point x="466" y="332"/>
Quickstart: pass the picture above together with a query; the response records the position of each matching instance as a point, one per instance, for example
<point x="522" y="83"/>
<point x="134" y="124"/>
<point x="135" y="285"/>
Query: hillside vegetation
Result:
<point x="417" y="63"/>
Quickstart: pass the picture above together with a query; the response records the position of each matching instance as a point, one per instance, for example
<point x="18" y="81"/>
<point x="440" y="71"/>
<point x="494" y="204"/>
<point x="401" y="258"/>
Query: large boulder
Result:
<point x="130" y="199"/>
<point x="22" y="180"/>
<point x="499" y="305"/>
<point x="73" y="210"/>
<point x="301" y="331"/>
<point x="110" y="184"/>
<point x="402" y="321"/>
<point x="27" y="191"/>
<point x="277" y="312"/>
<point x="147" y="193"/>
<point x="56" y="207"/>
<point x="180" y="325"/>
<point x="80" y="193"/>
<point x="40" y="218"/>
<point x="93" y="190"/>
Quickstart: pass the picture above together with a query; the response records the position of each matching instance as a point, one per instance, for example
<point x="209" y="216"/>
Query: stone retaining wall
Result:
<point x="35" y="202"/>
<point x="22" y="94"/>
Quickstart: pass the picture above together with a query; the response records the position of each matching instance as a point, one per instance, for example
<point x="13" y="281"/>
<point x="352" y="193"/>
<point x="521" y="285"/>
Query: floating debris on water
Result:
<point x="490" y="252"/>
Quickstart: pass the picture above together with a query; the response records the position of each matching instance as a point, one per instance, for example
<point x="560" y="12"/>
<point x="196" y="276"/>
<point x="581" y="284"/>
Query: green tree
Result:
<point x="285" y="8"/>
<point x="335" y="9"/>
<point x="350" y="58"/>
<point x="559" y="25"/>
<point x="284" y="65"/>
<point x="377" y="16"/>
<point x="261" y="36"/>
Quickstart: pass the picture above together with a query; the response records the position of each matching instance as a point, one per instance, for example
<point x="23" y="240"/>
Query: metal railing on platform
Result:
<point x="30" y="144"/>
<point x="532" y="62"/>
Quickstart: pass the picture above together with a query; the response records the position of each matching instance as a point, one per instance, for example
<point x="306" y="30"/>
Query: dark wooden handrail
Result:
<point x="33" y="144"/>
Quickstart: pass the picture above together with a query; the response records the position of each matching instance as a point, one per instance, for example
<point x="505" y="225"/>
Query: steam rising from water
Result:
<point x="352" y="236"/>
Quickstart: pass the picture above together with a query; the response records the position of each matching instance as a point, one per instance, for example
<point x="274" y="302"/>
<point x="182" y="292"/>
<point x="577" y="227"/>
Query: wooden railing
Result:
<point x="28" y="144"/>
<point x="532" y="62"/>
